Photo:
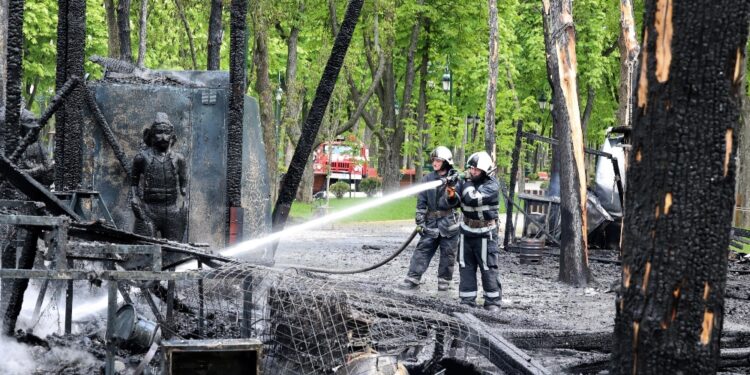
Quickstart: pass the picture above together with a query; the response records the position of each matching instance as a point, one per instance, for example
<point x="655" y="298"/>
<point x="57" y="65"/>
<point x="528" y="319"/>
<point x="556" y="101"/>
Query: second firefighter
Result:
<point x="439" y="226"/>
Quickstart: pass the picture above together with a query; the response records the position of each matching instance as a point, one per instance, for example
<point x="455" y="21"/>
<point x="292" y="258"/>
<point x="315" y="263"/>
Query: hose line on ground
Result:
<point x="368" y="268"/>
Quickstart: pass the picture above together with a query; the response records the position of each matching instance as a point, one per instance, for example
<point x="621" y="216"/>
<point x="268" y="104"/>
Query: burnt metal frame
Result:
<point x="70" y="62"/>
<point x="509" y="234"/>
<point x="74" y="199"/>
<point x="172" y="347"/>
<point x="615" y="163"/>
<point x="64" y="252"/>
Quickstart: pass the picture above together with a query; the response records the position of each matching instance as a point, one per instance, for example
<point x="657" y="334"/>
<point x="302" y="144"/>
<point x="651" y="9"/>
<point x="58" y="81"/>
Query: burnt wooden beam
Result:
<point x="71" y="274"/>
<point x="34" y="190"/>
<point x="18" y="286"/>
<point x="33" y="135"/>
<point x="501" y="352"/>
<point x="109" y="135"/>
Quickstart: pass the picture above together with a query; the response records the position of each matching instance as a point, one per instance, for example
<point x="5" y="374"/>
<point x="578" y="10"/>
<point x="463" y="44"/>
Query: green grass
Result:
<point x="402" y="209"/>
<point x="745" y="249"/>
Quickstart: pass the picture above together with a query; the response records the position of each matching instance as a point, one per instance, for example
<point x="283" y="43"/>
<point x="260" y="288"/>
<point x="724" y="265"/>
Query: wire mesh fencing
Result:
<point x="310" y="324"/>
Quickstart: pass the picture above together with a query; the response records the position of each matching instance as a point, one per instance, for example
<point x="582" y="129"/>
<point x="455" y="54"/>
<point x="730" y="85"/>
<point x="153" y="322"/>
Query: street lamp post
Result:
<point x="448" y="84"/>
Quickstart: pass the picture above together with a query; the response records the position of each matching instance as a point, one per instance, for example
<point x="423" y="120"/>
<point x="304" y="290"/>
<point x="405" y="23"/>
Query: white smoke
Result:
<point x="17" y="358"/>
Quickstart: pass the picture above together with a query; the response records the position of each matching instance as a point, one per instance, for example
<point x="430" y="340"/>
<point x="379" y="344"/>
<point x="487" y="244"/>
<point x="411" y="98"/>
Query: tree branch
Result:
<point x="189" y="32"/>
<point x="363" y="100"/>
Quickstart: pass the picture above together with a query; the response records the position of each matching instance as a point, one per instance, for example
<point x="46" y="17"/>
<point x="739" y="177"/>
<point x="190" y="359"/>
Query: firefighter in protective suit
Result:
<point x="478" y="197"/>
<point x="163" y="176"/>
<point x="439" y="226"/>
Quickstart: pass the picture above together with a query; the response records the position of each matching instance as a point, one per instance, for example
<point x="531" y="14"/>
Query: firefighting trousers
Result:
<point x="482" y="253"/>
<point x="426" y="248"/>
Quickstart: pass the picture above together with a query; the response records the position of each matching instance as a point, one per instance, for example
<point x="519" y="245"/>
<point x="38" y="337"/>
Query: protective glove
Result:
<point x="450" y="191"/>
<point x="419" y="219"/>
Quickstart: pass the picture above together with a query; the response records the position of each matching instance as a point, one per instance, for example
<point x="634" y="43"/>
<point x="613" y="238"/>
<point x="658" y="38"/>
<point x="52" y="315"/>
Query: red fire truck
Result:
<point x="348" y="162"/>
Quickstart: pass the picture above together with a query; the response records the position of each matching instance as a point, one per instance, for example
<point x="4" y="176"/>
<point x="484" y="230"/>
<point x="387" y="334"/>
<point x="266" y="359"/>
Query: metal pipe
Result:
<point x="109" y="368"/>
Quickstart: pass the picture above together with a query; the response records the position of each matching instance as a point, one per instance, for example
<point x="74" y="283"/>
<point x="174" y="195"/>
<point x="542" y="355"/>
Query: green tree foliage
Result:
<point x="40" y="45"/>
<point x="458" y="39"/>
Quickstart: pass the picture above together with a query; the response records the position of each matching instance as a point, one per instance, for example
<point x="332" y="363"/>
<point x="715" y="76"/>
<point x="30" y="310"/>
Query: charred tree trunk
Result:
<point x="264" y="90"/>
<point x="113" y="35"/>
<point x="561" y="69"/>
<point x="238" y="79"/>
<point x="305" y="191"/>
<point x="142" y="33"/>
<point x="680" y="188"/>
<point x="11" y="130"/>
<point x="215" y="34"/>
<point x="291" y="180"/>
<point x="489" y="111"/>
<point x="69" y="167"/>
<point x="123" y="25"/>
<point x="60" y="78"/>
<point x="3" y="48"/>
<point x="188" y="31"/>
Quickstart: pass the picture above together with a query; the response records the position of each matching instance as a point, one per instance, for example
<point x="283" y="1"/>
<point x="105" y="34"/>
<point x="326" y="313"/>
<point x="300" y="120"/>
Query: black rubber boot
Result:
<point x="492" y="308"/>
<point x="407" y="285"/>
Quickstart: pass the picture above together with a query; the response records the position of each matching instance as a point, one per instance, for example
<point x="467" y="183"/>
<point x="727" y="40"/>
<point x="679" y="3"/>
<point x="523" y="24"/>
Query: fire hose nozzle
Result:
<point x="451" y="179"/>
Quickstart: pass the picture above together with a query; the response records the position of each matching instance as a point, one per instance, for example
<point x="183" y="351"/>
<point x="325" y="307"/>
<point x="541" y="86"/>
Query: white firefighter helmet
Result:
<point x="481" y="160"/>
<point x="442" y="153"/>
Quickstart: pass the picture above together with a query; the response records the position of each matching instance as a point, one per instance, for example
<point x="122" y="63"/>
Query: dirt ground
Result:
<point x="533" y="300"/>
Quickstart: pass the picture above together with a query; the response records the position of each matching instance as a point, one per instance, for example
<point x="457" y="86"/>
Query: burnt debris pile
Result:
<point x="311" y="325"/>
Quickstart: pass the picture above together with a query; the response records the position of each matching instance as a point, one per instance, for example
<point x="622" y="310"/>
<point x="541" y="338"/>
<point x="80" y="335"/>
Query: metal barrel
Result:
<point x="145" y="332"/>
<point x="131" y="327"/>
<point x="531" y="250"/>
